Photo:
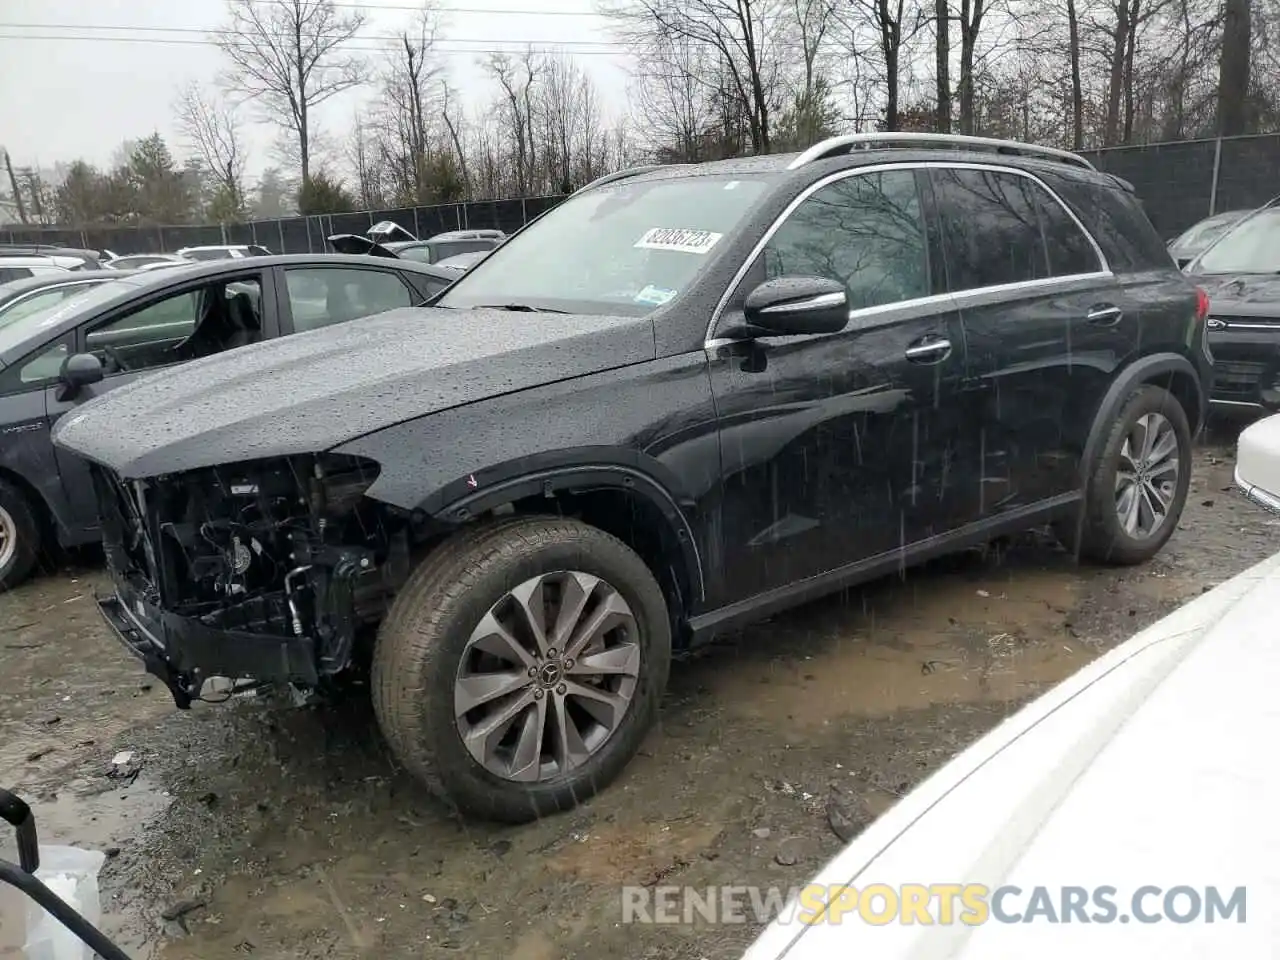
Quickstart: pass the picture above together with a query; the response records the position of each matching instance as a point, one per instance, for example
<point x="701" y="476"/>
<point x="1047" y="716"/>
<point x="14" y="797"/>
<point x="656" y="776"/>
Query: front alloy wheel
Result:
<point x="521" y="665"/>
<point x="547" y="676"/>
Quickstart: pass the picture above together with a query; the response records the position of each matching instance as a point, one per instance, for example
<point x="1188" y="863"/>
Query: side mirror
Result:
<point x="798" y="305"/>
<point x="78" y="371"/>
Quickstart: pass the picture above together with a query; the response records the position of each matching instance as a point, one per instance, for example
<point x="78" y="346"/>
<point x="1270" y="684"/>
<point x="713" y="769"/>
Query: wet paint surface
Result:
<point x="301" y="840"/>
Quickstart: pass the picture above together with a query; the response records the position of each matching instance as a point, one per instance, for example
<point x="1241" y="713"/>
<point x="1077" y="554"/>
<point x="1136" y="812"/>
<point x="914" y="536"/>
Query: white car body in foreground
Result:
<point x="1258" y="462"/>
<point x="1154" y="765"/>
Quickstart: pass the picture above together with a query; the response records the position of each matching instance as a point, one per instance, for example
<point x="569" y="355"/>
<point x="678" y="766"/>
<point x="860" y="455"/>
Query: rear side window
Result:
<point x="14" y="273"/>
<point x="1002" y="228"/>
<point x="990" y="228"/>
<point x="319" y="296"/>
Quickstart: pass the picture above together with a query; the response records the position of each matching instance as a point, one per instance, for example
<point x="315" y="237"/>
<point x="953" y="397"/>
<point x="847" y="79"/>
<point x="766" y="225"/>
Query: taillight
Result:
<point x="1202" y="305"/>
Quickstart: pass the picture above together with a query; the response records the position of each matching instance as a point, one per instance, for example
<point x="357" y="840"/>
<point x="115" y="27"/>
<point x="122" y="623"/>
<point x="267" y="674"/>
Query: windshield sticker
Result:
<point x="683" y="241"/>
<point x="732" y="185"/>
<point x="656" y="296"/>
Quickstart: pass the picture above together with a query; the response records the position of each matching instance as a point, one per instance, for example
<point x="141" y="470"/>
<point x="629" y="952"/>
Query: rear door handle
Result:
<point x="929" y="350"/>
<point x="1104" y="315"/>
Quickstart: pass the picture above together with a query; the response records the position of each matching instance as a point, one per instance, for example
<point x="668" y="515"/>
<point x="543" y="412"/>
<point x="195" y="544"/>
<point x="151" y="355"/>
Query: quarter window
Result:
<point x="865" y="231"/>
<point x="319" y="296"/>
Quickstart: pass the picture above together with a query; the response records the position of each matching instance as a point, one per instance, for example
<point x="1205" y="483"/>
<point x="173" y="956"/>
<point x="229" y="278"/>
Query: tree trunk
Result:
<point x="1115" y="82"/>
<point x="1233" y="75"/>
<point x="1129" y="99"/>
<point x="942" y="53"/>
<point x="13" y="186"/>
<point x="971" y="13"/>
<point x="1077" y="85"/>
<point x="890" y="37"/>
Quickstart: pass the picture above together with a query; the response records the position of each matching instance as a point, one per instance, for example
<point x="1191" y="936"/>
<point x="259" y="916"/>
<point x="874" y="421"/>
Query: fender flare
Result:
<point x="591" y="476"/>
<point x="1139" y="371"/>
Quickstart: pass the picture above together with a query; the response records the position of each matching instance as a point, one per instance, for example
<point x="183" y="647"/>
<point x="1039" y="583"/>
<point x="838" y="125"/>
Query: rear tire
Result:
<point x="1138" y="488"/>
<point x="19" y="536"/>
<point x="562" y="726"/>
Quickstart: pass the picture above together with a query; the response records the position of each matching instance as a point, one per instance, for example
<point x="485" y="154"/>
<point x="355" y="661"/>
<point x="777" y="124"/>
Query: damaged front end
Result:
<point x="266" y="571"/>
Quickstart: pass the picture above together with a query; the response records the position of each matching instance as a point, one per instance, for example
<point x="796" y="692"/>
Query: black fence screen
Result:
<point x="289" y="234"/>
<point x="1179" y="183"/>
<point x="1182" y="183"/>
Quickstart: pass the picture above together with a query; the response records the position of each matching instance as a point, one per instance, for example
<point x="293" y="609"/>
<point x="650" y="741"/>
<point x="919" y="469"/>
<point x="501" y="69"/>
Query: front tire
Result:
<point x="521" y="666"/>
<point x="19" y="537"/>
<point x="1138" y="487"/>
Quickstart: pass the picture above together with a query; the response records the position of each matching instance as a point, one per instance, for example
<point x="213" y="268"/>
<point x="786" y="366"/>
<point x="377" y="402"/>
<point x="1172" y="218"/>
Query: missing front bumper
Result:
<point x="183" y="653"/>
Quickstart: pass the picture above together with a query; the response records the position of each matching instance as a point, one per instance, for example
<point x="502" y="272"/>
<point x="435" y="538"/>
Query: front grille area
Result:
<point x="1238" y="379"/>
<point x="284" y="547"/>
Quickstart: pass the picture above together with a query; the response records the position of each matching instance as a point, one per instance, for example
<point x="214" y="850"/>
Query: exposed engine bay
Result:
<point x="282" y="548"/>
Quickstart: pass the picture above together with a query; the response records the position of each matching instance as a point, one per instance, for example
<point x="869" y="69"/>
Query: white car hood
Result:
<point x="1154" y="765"/>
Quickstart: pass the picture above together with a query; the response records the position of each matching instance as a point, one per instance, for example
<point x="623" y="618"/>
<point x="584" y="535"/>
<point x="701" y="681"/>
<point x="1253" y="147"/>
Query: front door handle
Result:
<point x="1104" y="315"/>
<point x="930" y="350"/>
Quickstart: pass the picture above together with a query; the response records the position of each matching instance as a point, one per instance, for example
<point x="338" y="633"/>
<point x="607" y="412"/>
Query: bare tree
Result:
<point x="746" y="36"/>
<point x="213" y="134"/>
<point x="671" y="99"/>
<point x="453" y="124"/>
<point x="895" y="23"/>
<point x="516" y="80"/>
<point x="288" y="55"/>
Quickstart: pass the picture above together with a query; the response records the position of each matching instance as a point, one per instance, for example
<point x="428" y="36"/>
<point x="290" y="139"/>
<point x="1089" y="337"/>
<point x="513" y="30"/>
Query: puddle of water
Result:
<point x="953" y="640"/>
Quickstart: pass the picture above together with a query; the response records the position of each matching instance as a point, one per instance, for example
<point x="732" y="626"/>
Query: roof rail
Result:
<point x="834" y="146"/>
<point x="624" y="174"/>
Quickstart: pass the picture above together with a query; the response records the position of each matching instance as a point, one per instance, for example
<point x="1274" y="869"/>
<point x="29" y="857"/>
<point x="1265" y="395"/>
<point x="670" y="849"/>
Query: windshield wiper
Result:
<point x="516" y="308"/>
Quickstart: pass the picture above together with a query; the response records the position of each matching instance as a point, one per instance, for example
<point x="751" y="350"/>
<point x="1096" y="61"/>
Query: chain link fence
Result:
<point x="289" y="234"/>
<point x="1182" y="183"/>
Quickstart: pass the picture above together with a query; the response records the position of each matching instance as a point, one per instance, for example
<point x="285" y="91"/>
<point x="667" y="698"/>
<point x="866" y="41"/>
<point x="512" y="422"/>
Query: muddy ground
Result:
<point x="282" y="832"/>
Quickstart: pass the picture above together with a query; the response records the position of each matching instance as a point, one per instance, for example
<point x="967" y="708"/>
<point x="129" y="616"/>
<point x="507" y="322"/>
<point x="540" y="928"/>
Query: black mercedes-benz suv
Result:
<point x="684" y="398"/>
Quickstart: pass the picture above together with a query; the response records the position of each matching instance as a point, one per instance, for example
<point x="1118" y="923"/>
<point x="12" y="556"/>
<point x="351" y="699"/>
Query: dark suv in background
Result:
<point x="684" y="398"/>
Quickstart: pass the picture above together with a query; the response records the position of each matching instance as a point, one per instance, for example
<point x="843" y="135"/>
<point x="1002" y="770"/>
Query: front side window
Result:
<point x="623" y="249"/>
<point x="865" y="231"/>
<point x="1251" y="246"/>
<point x="14" y="273"/>
<point x="184" y="326"/>
<point x="320" y="296"/>
<point x="46" y="365"/>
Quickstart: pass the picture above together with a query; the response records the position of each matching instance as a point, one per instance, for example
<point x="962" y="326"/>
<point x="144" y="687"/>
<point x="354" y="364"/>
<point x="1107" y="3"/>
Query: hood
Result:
<point x="364" y="246"/>
<point x="1141" y="769"/>
<point x="1245" y="294"/>
<point x="312" y="391"/>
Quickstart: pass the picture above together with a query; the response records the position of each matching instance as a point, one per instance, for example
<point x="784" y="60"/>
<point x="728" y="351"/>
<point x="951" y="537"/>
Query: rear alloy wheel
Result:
<point x="19" y="537"/>
<point x="1139" y="482"/>
<point x="1147" y="476"/>
<point x="521" y="666"/>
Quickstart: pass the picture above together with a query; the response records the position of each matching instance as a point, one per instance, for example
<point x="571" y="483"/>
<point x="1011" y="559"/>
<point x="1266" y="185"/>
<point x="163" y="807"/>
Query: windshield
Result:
<point x="15" y="334"/>
<point x="1252" y="246"/>
<point x="1206" y="231"/>
<point x="40" y="301"/>
<point x="624" y="249"/>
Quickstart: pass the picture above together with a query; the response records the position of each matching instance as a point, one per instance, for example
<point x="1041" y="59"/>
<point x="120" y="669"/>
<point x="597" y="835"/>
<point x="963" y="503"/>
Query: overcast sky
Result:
<point x="121" y="82"/>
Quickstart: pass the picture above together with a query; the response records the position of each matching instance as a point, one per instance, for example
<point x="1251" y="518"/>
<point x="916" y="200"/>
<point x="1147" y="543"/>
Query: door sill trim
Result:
<point x="705" y="626"/>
